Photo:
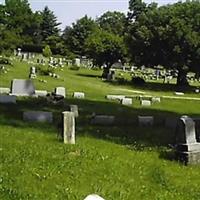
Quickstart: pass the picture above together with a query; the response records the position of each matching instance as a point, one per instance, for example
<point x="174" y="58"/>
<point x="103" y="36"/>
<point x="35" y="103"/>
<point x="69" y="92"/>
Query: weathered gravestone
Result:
<point x="21" y="87"/>
<point x="188" y="149"/>
<point x="41" y="93"/>
<point x="103" y="120"/>
<point x="68" y="127"/>
<point x="145" y="120"/>
<point x="93" y="197"/>
<point x="126" y="101"/>
<point x="4" y="90"/>
<point x="60" y="91"/>
<point x="7" y="99"/>
<point x="79" y="95"/>
<point x="155" y="99"/>
<point x="38" y="116"/>
<point x="74" y="109"/>
<point x="145" y="103"/>
<point x="115" y="97"/>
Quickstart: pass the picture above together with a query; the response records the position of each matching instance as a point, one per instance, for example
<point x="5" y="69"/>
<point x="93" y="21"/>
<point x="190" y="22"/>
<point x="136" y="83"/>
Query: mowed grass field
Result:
<point x="122" y="162"/>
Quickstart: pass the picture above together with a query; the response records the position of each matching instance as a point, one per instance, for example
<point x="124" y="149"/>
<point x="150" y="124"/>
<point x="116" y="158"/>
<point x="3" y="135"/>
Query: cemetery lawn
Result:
<point x="123" y="162"/>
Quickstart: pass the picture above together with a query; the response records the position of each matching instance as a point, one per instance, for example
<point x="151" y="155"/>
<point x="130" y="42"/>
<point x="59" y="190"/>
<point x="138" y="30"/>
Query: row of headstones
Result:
<point x="20" y="87"/>
<point x="187" y="148"/>
<point x="129" y="101"/>
<point x="187" y="143"/>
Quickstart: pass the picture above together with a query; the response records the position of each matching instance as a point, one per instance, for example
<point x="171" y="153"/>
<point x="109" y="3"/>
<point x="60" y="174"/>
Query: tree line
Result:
<point x="147" y="35"/>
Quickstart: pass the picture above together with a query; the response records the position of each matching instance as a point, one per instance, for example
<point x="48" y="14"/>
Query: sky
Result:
<point x="68" y="11"/>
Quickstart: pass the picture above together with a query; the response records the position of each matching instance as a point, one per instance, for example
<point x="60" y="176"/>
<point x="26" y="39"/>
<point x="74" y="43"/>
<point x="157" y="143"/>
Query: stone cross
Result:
<point x="68" y="127"/>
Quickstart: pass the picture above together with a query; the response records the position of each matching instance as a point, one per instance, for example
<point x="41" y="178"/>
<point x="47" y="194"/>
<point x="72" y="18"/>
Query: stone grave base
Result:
<point x="188" y="158"/>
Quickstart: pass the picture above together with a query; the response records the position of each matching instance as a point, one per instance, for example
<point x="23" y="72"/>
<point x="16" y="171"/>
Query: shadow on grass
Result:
<point x="125" y="132"/>
<point x="159" y="87"/>
<point x="89" y="75"/>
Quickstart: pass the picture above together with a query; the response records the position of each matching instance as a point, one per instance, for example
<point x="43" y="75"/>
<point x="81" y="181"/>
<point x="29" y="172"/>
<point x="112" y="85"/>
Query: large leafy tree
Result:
<point x="169" y="36"/>
<point x="105" y="48"/>
<point x="76" y="35"/>
<point x="113" y="22"/>
<point x="18" y="24"/>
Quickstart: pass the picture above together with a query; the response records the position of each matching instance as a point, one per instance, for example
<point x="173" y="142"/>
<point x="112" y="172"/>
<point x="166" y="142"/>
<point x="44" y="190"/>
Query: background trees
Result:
<point x="168" y="36"/>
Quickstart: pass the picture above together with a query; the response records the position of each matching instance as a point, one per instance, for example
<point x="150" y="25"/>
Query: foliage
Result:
<point x="104" y="47"/>
<point x="76" y="35"/>
<point x="49" y="24"/>
<point x="47" y="51"/>
<point x="162" y="36"/>
<point x="113" y="22"/>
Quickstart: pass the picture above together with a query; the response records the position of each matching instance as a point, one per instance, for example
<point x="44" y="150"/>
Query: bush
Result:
<point x="47" y="51"/>
<point x="138" y="81"/>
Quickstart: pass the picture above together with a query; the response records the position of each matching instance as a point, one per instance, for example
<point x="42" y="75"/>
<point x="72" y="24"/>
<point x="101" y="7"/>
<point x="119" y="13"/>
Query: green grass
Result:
<point x="120" y="162"/>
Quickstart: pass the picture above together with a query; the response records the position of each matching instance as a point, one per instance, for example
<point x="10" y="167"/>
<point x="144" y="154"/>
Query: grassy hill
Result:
<point x="119" y="162"/>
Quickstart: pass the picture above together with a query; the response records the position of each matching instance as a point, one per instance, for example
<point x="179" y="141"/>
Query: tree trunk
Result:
<point x="182" y="78"/>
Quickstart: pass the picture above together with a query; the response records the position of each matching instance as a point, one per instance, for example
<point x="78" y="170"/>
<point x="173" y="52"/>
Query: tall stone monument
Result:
<point x="188" y="149"/>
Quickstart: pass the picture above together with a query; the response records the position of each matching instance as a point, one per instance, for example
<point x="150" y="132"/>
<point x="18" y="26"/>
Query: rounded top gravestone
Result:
<point x="93" y="197"/>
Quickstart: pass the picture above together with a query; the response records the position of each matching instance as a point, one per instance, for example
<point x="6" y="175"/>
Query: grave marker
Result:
<point x="21" y="87"/>
<point x="68" y="127"/>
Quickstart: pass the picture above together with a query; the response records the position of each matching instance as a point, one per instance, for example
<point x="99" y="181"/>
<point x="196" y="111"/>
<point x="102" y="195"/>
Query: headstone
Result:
<point x="60" y="91"/>
<point x="7" y="99"/>
<point x="74" y="109"/>
<point x="4" y="90"/>
<point x="41" y="93"/>
<point x="188" y="149"/>
<point x="79" y="95"/>
<point x="32" y="72"/>
<point x="115" y="97"/>
<point x="77" y="62"/>
<point x="21" y="87"/>
<point x="145" y="103"/>
<point x="126" y="101"/>
<point x="38" y="116"/>
<point x="103" y="120"/>
<point x="155" y="99"/>
<point x="145" y="120"/>
<point x="68" y="127"/>
<point x="93" y="197"/>
<point x="179" y="93"/>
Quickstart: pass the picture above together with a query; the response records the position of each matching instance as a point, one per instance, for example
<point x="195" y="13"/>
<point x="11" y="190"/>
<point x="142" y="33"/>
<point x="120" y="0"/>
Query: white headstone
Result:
<point x="126" y="101"/>
<point x="179" y="93"/>
<point x="4" y="90"/>
<point x="41" y="93"/>
<point x="155" y="99"/>
<point x="79" y="95"/>
<point x="115" y="97"/>
<point x="60" y="91"/>
<point x="93" y="197"/>
<point x="145" y="103"/>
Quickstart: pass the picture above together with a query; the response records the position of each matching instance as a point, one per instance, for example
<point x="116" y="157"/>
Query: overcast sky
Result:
<point x="68" y="11"/>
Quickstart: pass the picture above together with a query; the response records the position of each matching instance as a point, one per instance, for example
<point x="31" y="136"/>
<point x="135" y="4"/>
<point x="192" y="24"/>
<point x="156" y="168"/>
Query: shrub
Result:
<point x="47" y="51"/>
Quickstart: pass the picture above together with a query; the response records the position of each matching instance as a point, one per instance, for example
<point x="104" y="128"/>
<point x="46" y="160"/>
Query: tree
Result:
<point x="47" y="51"/>
<point x="18" y="24"/>
<point x="162" y="36"/>
<point x="76" y="35"/>
<point x="113" y="22"/>
<point x="105" y="48"/>
<point x="49" y="24"/>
